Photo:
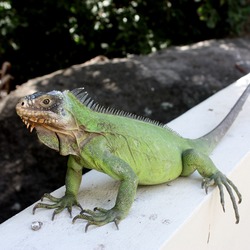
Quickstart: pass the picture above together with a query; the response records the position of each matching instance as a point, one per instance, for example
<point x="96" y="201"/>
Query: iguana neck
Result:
<point x="69" y="143"/>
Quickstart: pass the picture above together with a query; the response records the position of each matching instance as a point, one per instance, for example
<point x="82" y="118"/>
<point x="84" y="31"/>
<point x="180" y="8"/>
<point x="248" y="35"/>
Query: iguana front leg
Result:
<point x="72" y="182"/>
<point x="117" y="169"/>
<point x="194" y="160"/>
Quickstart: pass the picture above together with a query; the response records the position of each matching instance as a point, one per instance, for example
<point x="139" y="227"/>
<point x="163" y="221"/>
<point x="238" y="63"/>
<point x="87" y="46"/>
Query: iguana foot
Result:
<point x="67" y="201"/>
<point x="99" y="217"/>
<point x="220" y="179"/>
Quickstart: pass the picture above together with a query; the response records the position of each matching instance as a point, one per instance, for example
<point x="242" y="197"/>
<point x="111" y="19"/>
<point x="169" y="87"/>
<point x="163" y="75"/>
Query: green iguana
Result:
<point x="131" y="149"/>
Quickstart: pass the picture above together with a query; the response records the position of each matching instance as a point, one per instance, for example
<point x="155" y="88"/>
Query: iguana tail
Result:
<point x="210" y="140"/>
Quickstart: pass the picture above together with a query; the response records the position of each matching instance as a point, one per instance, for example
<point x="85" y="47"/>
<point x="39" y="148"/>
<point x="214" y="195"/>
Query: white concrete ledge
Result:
<point x="177" y="215"/>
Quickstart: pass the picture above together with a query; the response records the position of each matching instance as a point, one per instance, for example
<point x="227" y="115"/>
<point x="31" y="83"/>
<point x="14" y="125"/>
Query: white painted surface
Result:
<point x="177" y="215"/>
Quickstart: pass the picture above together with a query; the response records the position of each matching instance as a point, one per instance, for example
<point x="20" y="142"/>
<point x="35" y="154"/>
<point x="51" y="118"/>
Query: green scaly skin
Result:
<point x="130" y="150"/>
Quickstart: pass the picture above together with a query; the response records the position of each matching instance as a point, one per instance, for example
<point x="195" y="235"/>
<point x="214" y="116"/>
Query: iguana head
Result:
<point x="51" y="114"/>
<point x="47" y="110"/>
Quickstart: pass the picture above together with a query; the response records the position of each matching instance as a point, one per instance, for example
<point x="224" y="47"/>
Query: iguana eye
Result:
<point x="46" y="101"/>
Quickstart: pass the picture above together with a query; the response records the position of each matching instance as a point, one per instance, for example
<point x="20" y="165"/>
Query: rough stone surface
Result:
<point x="161" y="86"/>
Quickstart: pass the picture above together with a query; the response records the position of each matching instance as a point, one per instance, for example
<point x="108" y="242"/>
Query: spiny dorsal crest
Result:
<point x="84" y="98"/>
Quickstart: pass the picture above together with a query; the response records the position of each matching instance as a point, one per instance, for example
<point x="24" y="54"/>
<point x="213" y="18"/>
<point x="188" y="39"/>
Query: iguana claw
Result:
<point x="99" y="217"/>
<point x="59" y="205"/>
<point x="220" y="179"/>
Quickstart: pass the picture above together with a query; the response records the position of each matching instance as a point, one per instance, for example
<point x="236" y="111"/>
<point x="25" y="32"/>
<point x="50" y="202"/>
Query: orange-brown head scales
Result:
<point x="52" y="115"/>
<point x="45" y="110"/>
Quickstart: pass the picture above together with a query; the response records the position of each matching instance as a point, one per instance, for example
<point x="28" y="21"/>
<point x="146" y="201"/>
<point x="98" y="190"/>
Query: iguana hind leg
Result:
<point x="194" y="160"/>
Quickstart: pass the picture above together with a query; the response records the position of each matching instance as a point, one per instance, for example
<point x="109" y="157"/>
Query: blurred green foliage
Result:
<point x="38" y="37"/>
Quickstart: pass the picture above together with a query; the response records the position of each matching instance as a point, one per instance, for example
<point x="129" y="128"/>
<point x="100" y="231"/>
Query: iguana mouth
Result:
<point x="31" y="122"/>
<point x="28" y="123"/>
<point x="33" y="118"/>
